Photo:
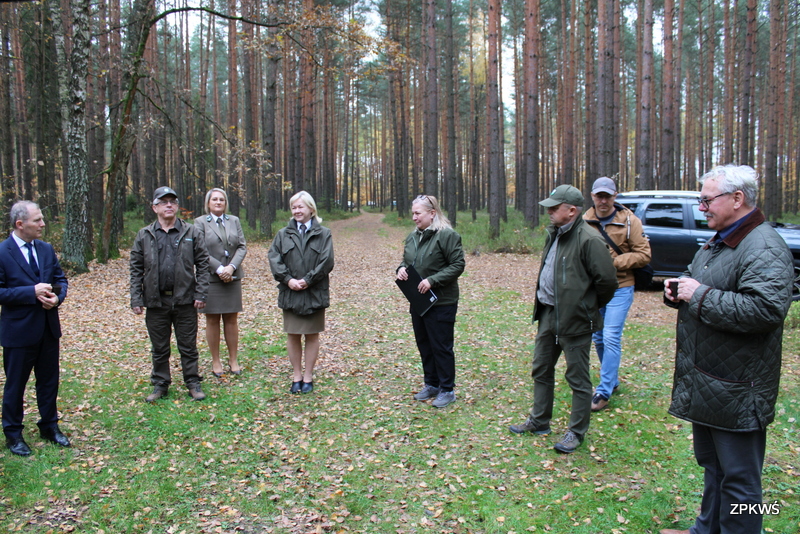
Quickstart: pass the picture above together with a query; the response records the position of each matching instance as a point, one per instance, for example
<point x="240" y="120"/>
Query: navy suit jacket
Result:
<point x="23" y="319"/>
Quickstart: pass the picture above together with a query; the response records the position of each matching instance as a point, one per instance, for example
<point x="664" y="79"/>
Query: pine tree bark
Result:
<point x="666" y="169"/>
<point x="496" y="189"/>
<point x="235" y="148"/>
<point x="531" y="110"/>
<point x="746" y="145"/>
<point x="7" y="167"/>
<point x="644" y="153"/>
<point x="450" y="189"/>
<point x="605" y="88"/>
<point x="772" y="202"/>
<point x="430" y="142"/>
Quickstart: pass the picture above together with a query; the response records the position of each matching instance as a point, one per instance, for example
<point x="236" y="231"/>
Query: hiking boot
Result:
<point x="196" y="392"/>
<point x="444" y="398"/>
<point x="568" y="443"/>
<point x="427" y="392"/>
<point x="530" y="426"/>
<point x="156" y="394"/>
<point x="599" y="402"/>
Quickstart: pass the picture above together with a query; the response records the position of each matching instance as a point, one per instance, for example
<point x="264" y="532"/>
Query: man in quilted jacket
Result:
<point x="732" y="301"/>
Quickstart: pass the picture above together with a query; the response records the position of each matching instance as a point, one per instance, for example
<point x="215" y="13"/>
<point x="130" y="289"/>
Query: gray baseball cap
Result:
<point x="564" y="194"/>
<point x="161" y="192"/>
<point x="604" y="185"/>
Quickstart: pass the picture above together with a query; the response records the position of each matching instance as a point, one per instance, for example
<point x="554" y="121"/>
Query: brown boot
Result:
<point x="156" y="394"/>
<point x="196" y="392"/>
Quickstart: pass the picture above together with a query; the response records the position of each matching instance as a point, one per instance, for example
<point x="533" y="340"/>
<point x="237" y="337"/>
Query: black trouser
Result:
<point x="160" y="322"/>
<point x="732" y="463"/>
<point x="434" y="333"/>
<point x="18" y="362"/>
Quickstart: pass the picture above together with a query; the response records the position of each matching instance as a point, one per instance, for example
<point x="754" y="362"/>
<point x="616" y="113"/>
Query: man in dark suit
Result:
<point x="32" y="286"/>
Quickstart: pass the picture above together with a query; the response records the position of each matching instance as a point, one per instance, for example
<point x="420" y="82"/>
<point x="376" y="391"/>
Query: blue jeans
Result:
<point x="608" y="341"/>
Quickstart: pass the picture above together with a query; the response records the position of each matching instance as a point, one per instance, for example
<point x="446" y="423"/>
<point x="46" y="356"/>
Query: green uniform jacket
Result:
<point x="289" y="258"/>
<point x="729" y="335"/>
<point x="585" y="279"/>
<point x="439" y="257"/>
<point x="191" y="268"/>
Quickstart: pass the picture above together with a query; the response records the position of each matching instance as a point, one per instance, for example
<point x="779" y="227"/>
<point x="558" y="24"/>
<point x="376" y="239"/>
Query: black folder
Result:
<point x="420" y="302"/>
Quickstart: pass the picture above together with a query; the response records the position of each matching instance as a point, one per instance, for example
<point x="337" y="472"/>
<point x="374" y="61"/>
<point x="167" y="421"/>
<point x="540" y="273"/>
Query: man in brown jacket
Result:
<point x="630" y="250"/>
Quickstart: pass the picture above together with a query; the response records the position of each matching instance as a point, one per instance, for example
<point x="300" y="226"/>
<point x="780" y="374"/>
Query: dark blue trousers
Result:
<point x="18" y="362"/>
<point x="434" y="333"/>
<point x="732" y="463"/>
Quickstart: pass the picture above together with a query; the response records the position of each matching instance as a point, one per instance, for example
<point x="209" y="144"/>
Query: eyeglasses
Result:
<point x="162" y="201"/>
<point x="705" y="202"/>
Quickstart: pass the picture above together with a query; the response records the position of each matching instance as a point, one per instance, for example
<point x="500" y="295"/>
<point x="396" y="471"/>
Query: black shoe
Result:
<point x="296" y="387"/>
<point x="308" y="387"/>
<point x="54" y="435"/>
<point x="237" y="373"/>
<point x="218" y="375"/>
<point x="18" y="446"/>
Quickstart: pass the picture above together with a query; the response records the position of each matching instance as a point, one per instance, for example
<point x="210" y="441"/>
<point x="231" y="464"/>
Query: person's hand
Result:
<point x="138" y="310"/>
<point x="49" y="300"/>
<point x="686" y="288"/>
<point x="42" y="290"/>
<point x="297" y="285"/>
<point x="227" y="274"/>
<point x="668" y="292"/>
<point x="424" y="286"/>
<point x="402" y="274"/>
<point x="199" y="304"/>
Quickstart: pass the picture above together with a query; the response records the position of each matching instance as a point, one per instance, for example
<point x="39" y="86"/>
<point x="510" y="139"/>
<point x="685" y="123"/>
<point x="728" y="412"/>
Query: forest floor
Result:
<point x="359" y="455"/>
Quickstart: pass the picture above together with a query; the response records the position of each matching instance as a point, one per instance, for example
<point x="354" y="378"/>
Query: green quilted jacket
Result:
<point x="729" y="336"/>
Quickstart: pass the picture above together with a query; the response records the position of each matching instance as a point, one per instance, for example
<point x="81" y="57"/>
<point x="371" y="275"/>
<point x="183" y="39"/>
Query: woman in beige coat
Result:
<point x="226" y="251"/>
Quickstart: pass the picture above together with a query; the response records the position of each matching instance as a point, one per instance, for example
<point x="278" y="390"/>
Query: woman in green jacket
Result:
<point x="434" y="249"/>
<point x="301" y="258"/>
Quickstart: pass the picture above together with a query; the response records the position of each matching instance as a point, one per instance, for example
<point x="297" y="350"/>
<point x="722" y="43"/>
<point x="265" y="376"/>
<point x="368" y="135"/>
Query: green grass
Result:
<point x="359" y="455"/>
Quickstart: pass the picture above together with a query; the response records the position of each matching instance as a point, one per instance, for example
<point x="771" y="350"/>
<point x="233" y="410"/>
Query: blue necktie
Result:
<point x="32" y="259"/>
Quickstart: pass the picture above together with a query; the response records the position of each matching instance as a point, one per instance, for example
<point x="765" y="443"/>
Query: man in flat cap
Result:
<point x="576" y="278"/>
<point x="169" y="277"/>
